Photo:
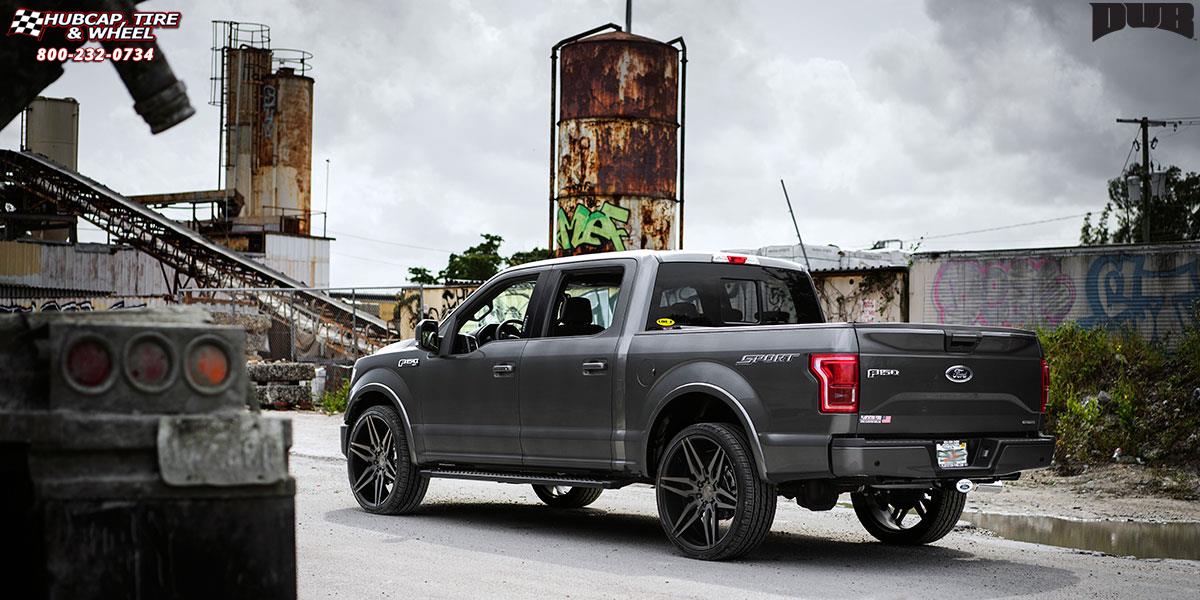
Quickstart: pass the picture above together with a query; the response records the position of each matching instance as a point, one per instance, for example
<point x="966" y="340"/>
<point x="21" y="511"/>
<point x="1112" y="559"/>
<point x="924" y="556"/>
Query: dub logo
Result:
<point x="1112" y="17"/>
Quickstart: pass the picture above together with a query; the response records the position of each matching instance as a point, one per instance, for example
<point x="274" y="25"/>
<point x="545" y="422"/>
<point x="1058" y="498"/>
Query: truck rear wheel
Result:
<point x="382" y="477"/>
<point x="560" y="496"/>
<point x="908" y="517"/>
<point x="711" y="502"/>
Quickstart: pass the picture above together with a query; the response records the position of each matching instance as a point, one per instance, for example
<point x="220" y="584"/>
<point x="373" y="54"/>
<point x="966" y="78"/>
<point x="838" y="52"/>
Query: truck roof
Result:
<point x="659" y="255"/>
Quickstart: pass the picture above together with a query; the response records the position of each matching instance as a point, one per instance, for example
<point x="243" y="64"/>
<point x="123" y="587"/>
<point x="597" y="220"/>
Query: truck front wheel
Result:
<point x="908" y="517"/>
<point x="711" y="502"/>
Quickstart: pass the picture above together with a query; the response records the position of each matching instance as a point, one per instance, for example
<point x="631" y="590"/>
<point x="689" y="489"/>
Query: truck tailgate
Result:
<point x="947" y="381"/>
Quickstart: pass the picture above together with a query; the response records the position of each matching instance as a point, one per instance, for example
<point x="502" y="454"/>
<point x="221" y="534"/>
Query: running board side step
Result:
<point x="608" y="484"/>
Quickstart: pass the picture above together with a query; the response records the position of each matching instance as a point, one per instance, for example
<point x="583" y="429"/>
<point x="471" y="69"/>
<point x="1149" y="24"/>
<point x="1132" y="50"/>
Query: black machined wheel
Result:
<point x="382" y="477"/>
<point x="711" y="502"/>
<point x="908" y="517"/>
<point x="560" y="496"/>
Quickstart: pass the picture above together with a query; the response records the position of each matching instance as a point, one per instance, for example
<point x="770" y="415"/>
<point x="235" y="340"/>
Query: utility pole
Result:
<point x="797" y="227"/>
<point x="1146" y="123"/>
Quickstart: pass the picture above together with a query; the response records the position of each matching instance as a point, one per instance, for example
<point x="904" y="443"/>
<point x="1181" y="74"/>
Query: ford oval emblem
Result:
<point x="959" y="374"/>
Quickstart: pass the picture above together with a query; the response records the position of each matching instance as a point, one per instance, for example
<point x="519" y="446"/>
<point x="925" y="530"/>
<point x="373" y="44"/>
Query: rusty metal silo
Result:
<point x="246" y="68"/>
<point x="283" y="173"/>
<point x="618" y="149"/>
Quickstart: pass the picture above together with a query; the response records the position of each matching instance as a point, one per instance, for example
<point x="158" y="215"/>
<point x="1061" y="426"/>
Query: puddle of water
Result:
<point x="1122" y="538"/>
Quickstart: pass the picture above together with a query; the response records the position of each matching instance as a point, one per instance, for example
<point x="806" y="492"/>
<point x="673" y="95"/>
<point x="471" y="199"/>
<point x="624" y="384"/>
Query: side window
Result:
<point x="719" y="295"/>
<point x="585" y="303"/>
<point x="501" y="314"/>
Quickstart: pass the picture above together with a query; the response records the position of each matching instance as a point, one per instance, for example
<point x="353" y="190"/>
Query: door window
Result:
<point x="501" y="314"/>
<point x="585" y="303"/>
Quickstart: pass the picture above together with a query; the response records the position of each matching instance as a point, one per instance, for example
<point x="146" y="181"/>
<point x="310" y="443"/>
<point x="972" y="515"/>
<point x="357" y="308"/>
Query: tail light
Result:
<point x="1045" y="384"/>
<point x="150" y="362"/>
<point x="89" y="365"/>
<point x="207" y="364"/>
<point x="838" y="378"/>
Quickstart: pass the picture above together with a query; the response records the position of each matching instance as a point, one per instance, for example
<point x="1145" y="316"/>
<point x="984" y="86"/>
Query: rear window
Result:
<point x="717" y="295"/>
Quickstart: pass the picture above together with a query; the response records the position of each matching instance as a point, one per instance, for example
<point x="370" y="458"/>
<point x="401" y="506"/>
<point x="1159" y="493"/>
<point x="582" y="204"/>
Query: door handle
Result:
<point x="595" y="366"/>
<point x="503" y="369"/>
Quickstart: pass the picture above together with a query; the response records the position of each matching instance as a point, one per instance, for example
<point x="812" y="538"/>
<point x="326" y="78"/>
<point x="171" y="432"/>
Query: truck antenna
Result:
<point x="793" y="213"/>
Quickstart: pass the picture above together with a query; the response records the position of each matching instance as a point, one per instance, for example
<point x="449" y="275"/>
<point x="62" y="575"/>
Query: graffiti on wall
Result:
<point x="1007" y="292"/>
<point x="406" y="311"/>
<point x="593" y="228"/>
<point x="1127" y="291"/>
<point x="862" y="297"/>
<point x="31" y="306"/>
<point x="1155" y="293"/>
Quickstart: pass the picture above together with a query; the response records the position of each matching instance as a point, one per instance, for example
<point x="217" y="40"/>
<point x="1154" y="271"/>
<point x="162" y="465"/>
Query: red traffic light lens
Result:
<point x="208" y="366"/>
<point x="89" y="363"/>
<point x="148" y="363"/>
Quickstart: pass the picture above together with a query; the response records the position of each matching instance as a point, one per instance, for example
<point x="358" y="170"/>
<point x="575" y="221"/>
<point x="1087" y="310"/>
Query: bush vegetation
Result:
<point x="334" y="401"/>
<point x="1111" y="390"/>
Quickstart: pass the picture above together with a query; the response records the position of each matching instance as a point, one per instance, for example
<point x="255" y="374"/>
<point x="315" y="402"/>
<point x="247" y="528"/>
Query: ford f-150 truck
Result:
<point x="713" y="377"/>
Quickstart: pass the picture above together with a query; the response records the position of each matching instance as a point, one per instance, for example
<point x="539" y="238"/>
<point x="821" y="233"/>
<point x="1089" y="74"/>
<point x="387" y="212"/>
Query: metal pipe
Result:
<point x="628" y="16"/>
<point x="554" y="115"/>
<point x="159" y="97"/>
<point x="682" y="125"/>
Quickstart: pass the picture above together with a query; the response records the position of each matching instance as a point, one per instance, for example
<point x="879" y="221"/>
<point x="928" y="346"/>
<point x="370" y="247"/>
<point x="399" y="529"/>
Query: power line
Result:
<point x="374" y="260"/>
<point x="390" y="243"/>
<point x="1000" y="228"/>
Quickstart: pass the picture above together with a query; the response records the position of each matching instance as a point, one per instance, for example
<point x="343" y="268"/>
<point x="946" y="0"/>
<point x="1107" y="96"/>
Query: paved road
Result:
<point x="477" y="540"/>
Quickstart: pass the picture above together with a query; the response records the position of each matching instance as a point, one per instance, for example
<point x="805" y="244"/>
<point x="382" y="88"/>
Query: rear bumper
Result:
<point x="345" y="435"/>
<point x="987" y="457"/>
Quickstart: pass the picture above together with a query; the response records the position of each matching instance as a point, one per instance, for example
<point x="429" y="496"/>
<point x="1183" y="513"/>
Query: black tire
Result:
<point x="706" y="476"/>
<point x="885" y="514"/>
<point x="383" y="478"/>
<point x="566" y="497"/>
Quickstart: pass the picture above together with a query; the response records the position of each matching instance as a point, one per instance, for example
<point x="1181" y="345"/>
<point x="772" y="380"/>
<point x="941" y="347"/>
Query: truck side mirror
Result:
<point x="427" y="335"/>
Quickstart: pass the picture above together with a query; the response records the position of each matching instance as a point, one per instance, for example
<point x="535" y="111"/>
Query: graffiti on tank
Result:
<point x="1011" y="292"/>
<point x="1130" y="291"/>
<point x="593" y="228"/>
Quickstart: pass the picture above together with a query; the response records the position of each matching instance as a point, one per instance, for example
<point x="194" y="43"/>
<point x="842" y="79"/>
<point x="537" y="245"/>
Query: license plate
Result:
<point x="952" y="454"/>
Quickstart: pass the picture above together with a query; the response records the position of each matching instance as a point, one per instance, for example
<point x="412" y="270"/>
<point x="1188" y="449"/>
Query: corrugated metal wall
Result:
<point x="100" y="268"/>
<point x="302" y="258"/>
<point x="1153" y="289"/>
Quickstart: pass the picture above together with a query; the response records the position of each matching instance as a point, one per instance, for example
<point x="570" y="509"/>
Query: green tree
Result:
<point x="476" y="263"/>
<point x="1173" y="215"/>
<point x="520" y="258"/>
<point x="421" y="275"/>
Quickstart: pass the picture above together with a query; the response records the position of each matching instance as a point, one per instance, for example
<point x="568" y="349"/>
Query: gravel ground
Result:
<point x="471" y="539"/>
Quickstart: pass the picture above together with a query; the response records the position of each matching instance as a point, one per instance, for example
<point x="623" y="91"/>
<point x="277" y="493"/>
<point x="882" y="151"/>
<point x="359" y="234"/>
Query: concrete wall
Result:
<point x="865" y="296"/>
<point x="1153" y="289"/>
<point x="437" y="302"/>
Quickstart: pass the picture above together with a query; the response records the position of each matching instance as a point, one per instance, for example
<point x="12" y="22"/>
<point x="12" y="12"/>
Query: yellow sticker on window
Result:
<point x="665" y="322"/>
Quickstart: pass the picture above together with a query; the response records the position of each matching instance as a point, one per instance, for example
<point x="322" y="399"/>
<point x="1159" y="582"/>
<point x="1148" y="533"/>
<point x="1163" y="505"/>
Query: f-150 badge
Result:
<point x="409" y="362"/>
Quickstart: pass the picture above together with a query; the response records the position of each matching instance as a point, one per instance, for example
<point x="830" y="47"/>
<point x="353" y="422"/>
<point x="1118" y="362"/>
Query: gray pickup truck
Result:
<point x="713" y="377"/>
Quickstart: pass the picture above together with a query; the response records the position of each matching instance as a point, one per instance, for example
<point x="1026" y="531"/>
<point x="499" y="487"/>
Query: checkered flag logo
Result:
<point x="26" y="22"/>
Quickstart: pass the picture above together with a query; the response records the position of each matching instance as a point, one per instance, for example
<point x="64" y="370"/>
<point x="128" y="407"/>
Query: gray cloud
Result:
<point x="888" y="120"/>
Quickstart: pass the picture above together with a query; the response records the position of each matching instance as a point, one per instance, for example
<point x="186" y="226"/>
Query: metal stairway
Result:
<point x="191" y="255"/>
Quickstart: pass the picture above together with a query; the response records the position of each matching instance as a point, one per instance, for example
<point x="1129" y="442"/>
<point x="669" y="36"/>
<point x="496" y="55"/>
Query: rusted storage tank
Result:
<point x="52" y="130"/>
<point x="247" y="68"/>
<point x="617" y="145"/>
<point x="283" y="171"/>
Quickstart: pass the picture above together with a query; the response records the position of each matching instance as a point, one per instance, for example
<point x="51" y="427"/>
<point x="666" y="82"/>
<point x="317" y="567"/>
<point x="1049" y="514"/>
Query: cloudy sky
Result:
<point x="887" y="119"/>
